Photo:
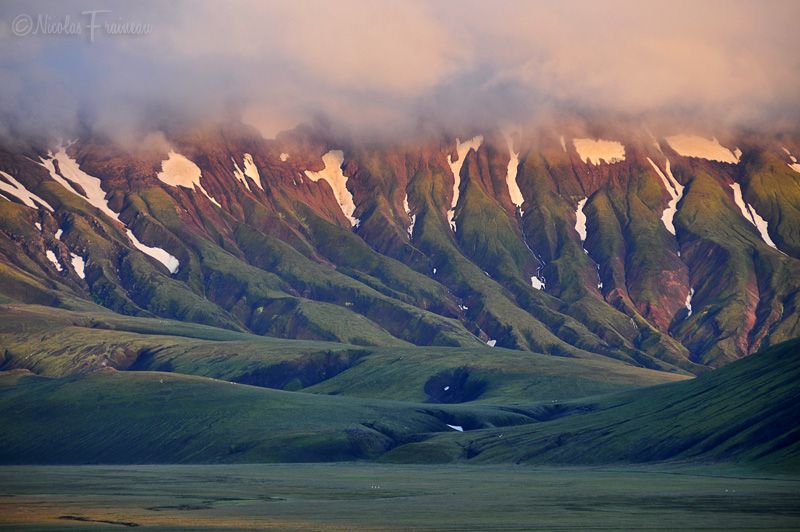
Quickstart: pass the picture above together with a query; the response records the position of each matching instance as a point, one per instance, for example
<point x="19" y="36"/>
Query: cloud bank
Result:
<point x="385" y="66"/>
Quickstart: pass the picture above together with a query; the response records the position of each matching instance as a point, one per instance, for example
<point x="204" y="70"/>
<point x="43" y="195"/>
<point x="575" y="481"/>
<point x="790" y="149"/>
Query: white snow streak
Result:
<point x="675" y="190"/>
<point x="159" y="254"/>
<point x="38" y="226"/>
<point x="491" y="343"/>
<point x="284" y="156"/>
<point x="459" y="428"/>
<point x="18" y="190"/>
<point x="563" y="143"/>
<point x="52" y="257"/>
<point x="595" y="151"/>
<point x="78" y="265"/>
<point x="689" y="301"/>
<point x="332" y="173"/>
<point x="178" y="171"/>
<point x="59" y="233"/>
<point x="513" y="166"/>
<point x="91" y="185"/>
<point x="701" y="148"/>
<point x="751" y="215"/>
<point x="462" y="149"/>
<point x="413" y="217"/>
<point x="97" y="197"/>
<point x="251" y="171"/>
<point x="795" y="165"/>
<point x="580" y="217"/>
<point x="537" y="283"/>
<point x="237" y="172"/>
<point x="580" y="227"/>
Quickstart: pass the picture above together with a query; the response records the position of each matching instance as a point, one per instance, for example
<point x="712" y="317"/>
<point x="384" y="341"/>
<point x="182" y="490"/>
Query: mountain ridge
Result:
<point x="261" y="247"/>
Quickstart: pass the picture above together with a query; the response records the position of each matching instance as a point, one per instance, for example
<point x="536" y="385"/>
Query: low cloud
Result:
<point x="385" y="66"/>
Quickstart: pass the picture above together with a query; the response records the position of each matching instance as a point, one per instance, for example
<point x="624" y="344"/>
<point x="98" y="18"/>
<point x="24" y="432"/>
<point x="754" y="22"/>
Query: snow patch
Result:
<point x="71" y="171"/>
<point x="689" y="301"/>
<point x="675" y="190"/>
<point x="239" y="174"/>
<point x="462" y="149"/>
<point x="513" y="166"/>
<point x="284" y="156"/>
<point x="701" y="148"/>
<point x="52" y="257"/>
<point x="59" y="233"/>
<point x="413" y="217"/>
<point x="446" y="388"/>
<point x="563" y="143"/>
<point x="251" y="171"/>
<point x="491" y="343"/>
<point x="537" y="283"/>
<point x="97" y="196"/>
<point x="18" y="190"/>
<point x="78" y="265"/>
<point x="178" y="171"/>
<point x="332" y="173"/>
<point x="580" y="227"/>
<point x="459" y="428"/>
<point x="794" y="166"/>
<point x="595" y="151"/>
<point x="171" y="263"/>
<point x="38" y="226"/>
<point x="751" y="215"/>
<point x="580" y="217"/>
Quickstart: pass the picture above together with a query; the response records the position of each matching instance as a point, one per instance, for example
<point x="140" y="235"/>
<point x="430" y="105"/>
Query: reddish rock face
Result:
<point x="279" y="241"/>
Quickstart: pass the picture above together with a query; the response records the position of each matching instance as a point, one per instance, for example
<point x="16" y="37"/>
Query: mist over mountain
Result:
<point x="380" y="70"/>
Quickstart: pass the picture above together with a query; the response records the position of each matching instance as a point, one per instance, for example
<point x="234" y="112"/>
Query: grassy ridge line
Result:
<point x="745" y="412"/>
<point x="151" y="417"/>
<point x="57" y="343"/>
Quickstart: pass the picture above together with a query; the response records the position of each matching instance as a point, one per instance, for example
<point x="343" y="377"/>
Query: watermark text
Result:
<point x="90" y="23"/>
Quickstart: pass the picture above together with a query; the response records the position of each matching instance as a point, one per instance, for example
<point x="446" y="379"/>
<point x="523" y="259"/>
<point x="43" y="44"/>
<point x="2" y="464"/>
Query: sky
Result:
<point x="385" y="66"/>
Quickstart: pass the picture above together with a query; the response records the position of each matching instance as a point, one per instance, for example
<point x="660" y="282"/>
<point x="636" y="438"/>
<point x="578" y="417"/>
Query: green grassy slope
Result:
<point x="146" y="417"/>
<point x="745" y="412"/>
<point x="56" y="343"/>
<point x="278" y="258"/>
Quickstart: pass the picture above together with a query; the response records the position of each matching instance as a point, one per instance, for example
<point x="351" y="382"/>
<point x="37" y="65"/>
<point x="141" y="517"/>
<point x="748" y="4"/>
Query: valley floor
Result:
<point x="361" y="496"/>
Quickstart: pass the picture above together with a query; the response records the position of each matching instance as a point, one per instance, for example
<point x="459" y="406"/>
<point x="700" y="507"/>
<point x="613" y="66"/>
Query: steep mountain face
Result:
<point x="671" y="252"/>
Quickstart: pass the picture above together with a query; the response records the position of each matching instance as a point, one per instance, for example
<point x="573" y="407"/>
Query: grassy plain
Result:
<point x="360" y="496"/>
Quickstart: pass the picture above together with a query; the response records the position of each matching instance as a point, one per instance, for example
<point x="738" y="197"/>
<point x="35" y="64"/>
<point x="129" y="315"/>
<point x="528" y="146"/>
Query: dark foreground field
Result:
<point x="343" y="497"/>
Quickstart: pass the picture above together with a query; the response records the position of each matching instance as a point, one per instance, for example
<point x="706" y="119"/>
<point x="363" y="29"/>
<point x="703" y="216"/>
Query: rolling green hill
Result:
<point x="56" y="343"/>
<point x="745" y="413"/>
